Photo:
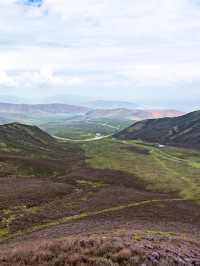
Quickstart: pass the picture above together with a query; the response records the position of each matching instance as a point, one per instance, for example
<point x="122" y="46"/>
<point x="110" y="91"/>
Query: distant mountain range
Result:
<point x="181" y="131"/>
<point x="10" y="112"/>
<point x="41" y="108"/>
<point x="103" y="104"/>
<point x="127" y="114"/>
<point x="11" y="99"/>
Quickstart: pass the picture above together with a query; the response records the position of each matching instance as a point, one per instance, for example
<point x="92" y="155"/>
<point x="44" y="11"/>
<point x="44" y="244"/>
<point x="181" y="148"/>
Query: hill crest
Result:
<point x="136" y="114"/>
<point x="21" y="136"/>
<point x="181" y="131"/>
<point x="53" y="108"/>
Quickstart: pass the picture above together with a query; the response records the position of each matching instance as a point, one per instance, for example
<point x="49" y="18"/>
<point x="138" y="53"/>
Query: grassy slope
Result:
<point x="32" y="164"/>
<point x="52" y="186"/>
<point x="165" y="170"/>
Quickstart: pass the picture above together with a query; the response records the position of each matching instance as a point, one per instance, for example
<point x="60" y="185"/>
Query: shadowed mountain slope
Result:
<point x="181" y="131"/>
<point x="16" y="134"/>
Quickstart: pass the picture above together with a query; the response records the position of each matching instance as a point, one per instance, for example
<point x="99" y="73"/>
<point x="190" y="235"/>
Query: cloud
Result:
<point x="92" y="46"/>
<point x="162" y="73"/>
<point x="37" y="79"/>
<point x="6" y="80"/>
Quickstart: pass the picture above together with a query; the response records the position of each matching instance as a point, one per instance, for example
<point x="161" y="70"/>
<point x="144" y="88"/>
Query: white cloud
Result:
<point x="43" y="78"/>
<point x="163" y="73"/>
<point x="99" y="43"/>
<point x="6" y="80"/>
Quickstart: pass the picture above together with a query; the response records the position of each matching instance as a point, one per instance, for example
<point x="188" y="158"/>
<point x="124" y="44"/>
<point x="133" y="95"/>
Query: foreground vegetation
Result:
<point x="104" y="251"/>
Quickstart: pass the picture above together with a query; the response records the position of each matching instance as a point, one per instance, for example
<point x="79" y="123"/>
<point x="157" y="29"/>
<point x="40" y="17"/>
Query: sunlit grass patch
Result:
<point x="4" y="232"/>
<point x="140" y="235"/>
<point x="161" y="233"/>
<point x="137" y="236"/>
<point x="163" y="170"/>
<point x="9" y="216"/>
<point x="90" y="184"/>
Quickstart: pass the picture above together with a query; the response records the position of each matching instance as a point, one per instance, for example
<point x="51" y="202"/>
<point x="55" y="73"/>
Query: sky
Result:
<point x="145" y="51"/>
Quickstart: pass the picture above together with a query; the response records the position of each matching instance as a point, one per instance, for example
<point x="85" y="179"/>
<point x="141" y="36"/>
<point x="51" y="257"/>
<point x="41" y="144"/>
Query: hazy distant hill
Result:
<point x="10" y="99"/>
<point x="41" y="108"/>
<point x="67" y="99"/>
<point x="127" y="114"/>
<point x="101" y="104"/>
<point x="4" y="120"/>
<point x="180" y="131"/>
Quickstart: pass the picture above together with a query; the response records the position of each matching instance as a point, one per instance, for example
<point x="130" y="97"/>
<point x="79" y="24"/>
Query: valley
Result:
<point x="139" y="194"/>
<point x="79" y="122"/>
<point x="99" y="133"/>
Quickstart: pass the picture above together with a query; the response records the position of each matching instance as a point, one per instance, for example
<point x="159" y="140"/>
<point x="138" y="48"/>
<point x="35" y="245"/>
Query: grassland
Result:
<point x="51" y="189"/>
<point x="105" y="188"/>
<point x="166" y="169"/>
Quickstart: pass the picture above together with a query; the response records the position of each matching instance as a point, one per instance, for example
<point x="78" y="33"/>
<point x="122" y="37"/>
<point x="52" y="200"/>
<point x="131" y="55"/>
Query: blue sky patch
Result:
<point x="33" y="2"/>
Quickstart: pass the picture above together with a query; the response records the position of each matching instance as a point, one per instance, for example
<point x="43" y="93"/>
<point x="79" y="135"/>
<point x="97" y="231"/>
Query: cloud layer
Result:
<point x="123" y="49"/>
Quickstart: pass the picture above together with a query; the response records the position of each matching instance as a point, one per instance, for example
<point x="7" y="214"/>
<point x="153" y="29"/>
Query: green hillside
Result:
<point x="158" y="169"/>
<point x="50" y="188"/>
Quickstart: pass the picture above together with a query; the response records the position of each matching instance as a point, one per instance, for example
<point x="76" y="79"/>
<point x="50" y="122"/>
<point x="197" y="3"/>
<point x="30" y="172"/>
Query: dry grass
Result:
<point x="87" y="251"/>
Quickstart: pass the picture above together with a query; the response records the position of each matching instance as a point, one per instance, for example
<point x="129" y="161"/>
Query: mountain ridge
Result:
<point x="110" y="104"/>
<point x="134" y="114"/>
<point x="42" y="108"/>
<point x="181" y="131"/>
<point x="14" y="134"/>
